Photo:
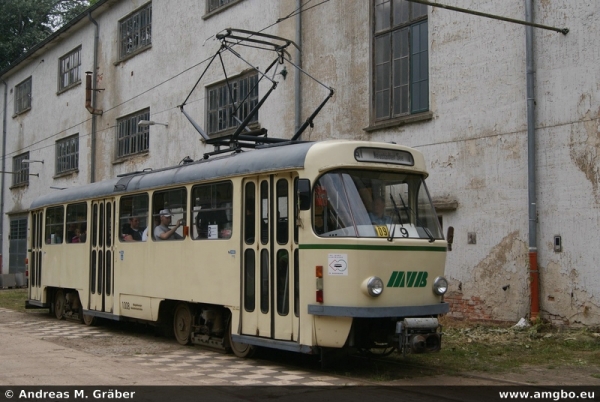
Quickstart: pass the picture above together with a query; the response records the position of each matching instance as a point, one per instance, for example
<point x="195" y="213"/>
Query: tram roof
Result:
<point x="272" y="158"/>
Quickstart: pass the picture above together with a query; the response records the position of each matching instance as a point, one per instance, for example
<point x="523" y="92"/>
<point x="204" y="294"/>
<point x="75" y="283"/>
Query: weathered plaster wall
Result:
<point x="475" y="142"/>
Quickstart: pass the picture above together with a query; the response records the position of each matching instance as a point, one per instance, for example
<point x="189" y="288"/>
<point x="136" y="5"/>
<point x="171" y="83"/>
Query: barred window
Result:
<point x="20" y="169"/>
<point x="23" y="96"/>
<point x="212" y="5"/>
<point x="228" y="105"/>
<point x="131" y="138"/>
<point x="67" y="154"/>
<point x="18" y="229"/>
<point x="400" y="59"/>
<point x="70" y="69"/>
<point x="135" y="31"/>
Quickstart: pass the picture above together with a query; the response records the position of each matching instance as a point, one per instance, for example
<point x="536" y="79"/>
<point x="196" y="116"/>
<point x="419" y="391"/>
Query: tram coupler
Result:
<point x="419" y="335"/>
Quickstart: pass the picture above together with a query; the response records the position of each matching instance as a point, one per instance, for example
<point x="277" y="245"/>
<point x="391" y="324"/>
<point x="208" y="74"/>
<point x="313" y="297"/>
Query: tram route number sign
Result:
<point x="337" y="264"/>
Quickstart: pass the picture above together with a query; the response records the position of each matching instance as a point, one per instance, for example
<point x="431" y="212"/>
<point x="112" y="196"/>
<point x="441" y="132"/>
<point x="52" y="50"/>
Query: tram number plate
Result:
<point x="382" y="231"/>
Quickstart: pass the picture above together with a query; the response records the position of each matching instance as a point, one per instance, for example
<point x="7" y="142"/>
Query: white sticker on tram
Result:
<point x="338" y="264"/>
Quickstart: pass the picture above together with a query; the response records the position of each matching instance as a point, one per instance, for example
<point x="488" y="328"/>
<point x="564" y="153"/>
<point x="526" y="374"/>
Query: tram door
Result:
<point x="35" y="263"/>
<point x="268" y="258"/>
<point x="101" y="258"/>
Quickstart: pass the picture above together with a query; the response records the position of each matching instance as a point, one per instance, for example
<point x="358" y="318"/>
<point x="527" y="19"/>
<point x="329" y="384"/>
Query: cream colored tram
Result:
<point x="278" y="247"/>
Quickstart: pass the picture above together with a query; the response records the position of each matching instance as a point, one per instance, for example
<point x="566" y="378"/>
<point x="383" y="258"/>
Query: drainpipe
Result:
<point x="3" y="174"/>
<point x="297" y="74"/>
<point x="93" y="102"/>
<point x="533" y="255"/>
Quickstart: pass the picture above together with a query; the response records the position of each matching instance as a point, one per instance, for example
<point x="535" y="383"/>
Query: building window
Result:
<point x="20" y="170"/>
<point x="131" y="138"/>
<point x="23" y="96"/>
<point x="400" y="60"/>
<point x="229" y="105"/>
<point x="17" y="249"/>
<point x="135" y="31"/>
<point x="212" y="5"/>
<point x="67" y="154"/>
<point x="70" y="69"/>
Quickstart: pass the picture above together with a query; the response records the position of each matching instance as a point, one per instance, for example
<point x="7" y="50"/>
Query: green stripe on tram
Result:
<point x="368" y="247"/>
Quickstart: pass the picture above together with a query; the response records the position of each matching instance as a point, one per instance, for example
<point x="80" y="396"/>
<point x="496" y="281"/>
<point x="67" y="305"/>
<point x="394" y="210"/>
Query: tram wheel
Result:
<point x="59" y="304"/>
<point x="242" y="350"/>
<point x="182" y="323"/>
<point x="87" y="319"/>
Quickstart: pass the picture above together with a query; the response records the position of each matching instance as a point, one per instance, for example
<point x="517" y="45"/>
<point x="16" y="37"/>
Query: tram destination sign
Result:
<point x="381" y="155"/>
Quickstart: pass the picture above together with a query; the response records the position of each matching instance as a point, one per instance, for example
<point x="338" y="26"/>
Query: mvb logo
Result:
<point x="410" y="279"/>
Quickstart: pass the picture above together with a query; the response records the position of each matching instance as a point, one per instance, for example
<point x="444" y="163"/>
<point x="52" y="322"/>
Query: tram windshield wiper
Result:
<point x="407" y="209"/>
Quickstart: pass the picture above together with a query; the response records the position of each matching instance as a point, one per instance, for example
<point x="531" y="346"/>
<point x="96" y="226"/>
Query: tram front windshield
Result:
<point x="366" y="203"/>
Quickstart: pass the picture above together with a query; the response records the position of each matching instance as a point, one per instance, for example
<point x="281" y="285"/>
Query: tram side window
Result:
<point x="76" y="223"/>
<point x="133" y="218"/>
<point x="168" y="209"/>
<point x="212" y="211"/>
<point x="55" y="225"/>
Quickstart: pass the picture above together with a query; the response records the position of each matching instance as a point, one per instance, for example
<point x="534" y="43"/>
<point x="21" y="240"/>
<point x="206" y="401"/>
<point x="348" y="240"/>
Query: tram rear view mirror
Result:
<point x="303" y="191"/>
<point x="450" y="237"/>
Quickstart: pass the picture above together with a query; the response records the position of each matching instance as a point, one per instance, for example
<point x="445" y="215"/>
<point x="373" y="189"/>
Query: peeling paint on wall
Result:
<point x="563" y="300"/>
<point x="584" y="148"/>
<point x="499" y="287"/>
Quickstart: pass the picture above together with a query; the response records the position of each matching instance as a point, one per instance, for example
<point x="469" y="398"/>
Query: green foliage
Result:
<point x="24" y="23"/>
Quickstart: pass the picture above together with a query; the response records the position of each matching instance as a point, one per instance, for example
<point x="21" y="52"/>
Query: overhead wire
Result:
<point x="295" y="12"/>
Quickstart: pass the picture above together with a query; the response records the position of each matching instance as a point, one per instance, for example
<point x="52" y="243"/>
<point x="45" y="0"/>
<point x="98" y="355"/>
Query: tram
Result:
<point x="282" y="246"/>
<point x="265" y="242"/>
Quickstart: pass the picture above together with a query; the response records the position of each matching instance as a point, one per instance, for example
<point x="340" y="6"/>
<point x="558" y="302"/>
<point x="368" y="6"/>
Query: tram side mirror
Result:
<point x="303" y="192"/>
<point x="450" y="237"/>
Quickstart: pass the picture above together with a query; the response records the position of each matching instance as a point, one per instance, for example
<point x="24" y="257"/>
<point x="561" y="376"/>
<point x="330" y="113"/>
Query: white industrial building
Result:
<point x="455" y="85"/>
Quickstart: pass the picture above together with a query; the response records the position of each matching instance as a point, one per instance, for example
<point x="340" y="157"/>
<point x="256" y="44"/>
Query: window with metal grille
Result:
<point x="17" y="250"/>
<point x="135" y="31"/>
<point x="67" y="154"/>
<point x="69" y="67"/>
<point x="18" y="228"/>
<point x="212" y="5"/>
<point x="23" y="96"/>
<point x="20" y="170"/>
<point x="131" y="138"/>
<point x="230" y="104"/>
<point x="400" y="59"/>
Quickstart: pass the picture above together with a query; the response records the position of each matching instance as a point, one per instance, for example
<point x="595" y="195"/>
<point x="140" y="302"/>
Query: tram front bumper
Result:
<point x="419" y="335"/>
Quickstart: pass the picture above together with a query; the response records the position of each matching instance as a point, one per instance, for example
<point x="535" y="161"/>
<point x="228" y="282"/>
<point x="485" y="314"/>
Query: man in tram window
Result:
<point x="377" y="214"/>
<point x="132" y="231"/>
<point x="164" y="231"/>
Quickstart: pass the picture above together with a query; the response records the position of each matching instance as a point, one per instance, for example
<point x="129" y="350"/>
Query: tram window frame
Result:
<point x="175" y="200"/>
<point x="54" y="224"/>
<point x="283" y="218"/>
<point x="134" y="206"/>
<point x="213" y="200"/>
<point x="77" y="218"/>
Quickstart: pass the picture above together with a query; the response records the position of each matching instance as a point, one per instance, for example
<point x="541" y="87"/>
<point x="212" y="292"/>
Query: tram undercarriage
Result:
<point x="385" y="335"/>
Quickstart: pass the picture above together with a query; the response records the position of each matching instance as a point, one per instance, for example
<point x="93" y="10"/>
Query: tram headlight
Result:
<point x="372" y="286"/>
<point x="440" y="285"/>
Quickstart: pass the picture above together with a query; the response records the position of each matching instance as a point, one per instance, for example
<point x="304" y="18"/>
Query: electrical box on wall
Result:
<point x="557" y="244"/>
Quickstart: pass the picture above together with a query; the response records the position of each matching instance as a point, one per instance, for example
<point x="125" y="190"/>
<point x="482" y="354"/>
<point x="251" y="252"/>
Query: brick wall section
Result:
<point x="472" y="309"/>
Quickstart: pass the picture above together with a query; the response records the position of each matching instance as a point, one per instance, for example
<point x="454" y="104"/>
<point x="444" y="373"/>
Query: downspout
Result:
<point x="531" y="169"/>
<point x="92" y="98"/>
<point x="297" y="74"/>
<point x="3" y="174"/>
